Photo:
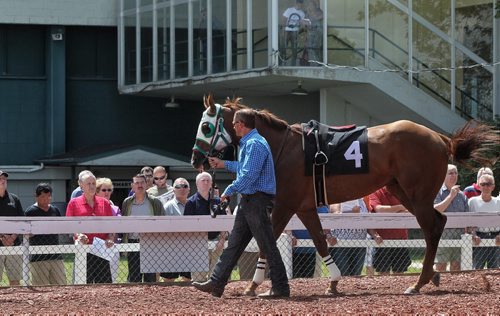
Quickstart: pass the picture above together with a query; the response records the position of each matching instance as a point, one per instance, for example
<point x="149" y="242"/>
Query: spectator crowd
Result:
<point x="151" y="195"/>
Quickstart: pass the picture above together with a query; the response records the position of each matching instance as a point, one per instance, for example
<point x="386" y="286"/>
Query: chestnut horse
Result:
<point x="408" y="158"/>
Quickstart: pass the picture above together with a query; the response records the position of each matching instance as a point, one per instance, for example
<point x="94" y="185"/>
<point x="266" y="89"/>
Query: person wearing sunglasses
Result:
<point x="175" y="207"/>
<point x="474" y="189"/>
<point x="486" y="202"/>
<point x="104" y="189"/>
<point x="161" y="189"/>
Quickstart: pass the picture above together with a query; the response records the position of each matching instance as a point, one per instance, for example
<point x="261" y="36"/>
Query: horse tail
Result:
<point x="475" y="141"/>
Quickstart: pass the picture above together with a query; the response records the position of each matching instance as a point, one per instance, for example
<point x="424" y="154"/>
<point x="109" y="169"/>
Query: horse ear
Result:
<point x="210" y="103"/>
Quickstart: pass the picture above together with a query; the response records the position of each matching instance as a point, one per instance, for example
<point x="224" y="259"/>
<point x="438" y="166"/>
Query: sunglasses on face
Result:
<point x="181" y="186"/>
<point x="486" y="184"/>
<point x="159" y="178"/>
<point x="106" y="190"/>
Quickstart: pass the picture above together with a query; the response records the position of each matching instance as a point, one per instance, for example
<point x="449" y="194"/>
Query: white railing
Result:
<point x="174" y="225"/>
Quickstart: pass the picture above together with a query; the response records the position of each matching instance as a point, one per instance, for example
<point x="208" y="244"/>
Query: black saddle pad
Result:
<point x="347" y="152"/>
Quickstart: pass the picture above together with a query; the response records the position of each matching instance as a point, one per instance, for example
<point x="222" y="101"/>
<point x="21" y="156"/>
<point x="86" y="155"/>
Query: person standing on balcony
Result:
<point x="314" y="32"/>
<point x="293" y="20"/>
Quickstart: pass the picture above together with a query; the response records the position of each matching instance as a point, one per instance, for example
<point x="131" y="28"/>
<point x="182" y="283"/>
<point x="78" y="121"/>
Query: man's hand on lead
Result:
<point x="215" y="162"/>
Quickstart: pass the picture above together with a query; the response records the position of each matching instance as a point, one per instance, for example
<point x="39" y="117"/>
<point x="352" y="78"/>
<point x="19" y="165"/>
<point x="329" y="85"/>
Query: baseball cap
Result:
<point x="3" y="173"/>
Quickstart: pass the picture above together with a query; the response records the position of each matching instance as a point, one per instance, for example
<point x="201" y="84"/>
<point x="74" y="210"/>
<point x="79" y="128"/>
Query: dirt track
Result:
<point x="464" y="293"/>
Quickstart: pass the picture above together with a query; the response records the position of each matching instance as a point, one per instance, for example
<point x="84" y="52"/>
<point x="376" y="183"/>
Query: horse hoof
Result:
<point x="436" y="279"/>
<point x="332" y="289"/>
<point x="250" y="290"/>
<point x="411" y="291"/>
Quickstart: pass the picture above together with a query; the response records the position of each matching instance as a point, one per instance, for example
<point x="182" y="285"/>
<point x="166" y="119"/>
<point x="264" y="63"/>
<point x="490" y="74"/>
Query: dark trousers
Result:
<point x="396" y="259"/>
<point x="253" y="219"/>
<point x="134" y="268"/>
<point x="349" y="260"/>
<point x="483" y="257"/>
<point x="98" y="270"/>
<point x="291" y="41"/>
<point x="304" y="262"/>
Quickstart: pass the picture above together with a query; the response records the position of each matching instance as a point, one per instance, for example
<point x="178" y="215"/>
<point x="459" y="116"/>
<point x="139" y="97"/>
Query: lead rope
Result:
<point x="217" y="208"/>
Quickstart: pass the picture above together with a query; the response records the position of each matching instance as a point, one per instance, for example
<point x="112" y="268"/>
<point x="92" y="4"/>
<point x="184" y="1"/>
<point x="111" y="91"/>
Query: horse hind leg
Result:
<point x="432" y="224"/>
<point x="432" y="227"/>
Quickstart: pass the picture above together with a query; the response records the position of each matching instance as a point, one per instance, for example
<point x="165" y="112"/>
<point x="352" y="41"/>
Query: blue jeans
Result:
<point x="252" y="219"/>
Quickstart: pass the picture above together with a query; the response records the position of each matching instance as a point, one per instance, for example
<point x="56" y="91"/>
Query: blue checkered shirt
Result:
<point x="254" y="168"/>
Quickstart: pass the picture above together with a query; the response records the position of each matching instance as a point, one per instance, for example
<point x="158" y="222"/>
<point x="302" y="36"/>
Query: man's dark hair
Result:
<point x="246" y="116"/>
<point x="139" y="175"/>
<point x="43" y="188"/>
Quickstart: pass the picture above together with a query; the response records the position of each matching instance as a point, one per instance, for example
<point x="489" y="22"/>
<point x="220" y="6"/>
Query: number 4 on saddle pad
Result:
<point x="345" y="148"/>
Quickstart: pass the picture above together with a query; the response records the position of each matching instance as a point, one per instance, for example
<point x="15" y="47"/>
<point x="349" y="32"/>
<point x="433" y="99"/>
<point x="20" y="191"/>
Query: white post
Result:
<point x="466" y="252"/>
<point x="26" y="259"/>
<point x="286" y="250"/>
<point x="80" y="267"/>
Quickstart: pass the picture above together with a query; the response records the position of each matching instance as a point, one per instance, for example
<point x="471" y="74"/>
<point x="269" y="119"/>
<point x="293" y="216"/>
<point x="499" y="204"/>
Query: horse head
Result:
<point x="215" y="133"/>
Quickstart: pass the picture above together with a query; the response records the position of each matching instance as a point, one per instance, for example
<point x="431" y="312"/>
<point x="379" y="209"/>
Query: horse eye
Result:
<point x="207" y="129"/>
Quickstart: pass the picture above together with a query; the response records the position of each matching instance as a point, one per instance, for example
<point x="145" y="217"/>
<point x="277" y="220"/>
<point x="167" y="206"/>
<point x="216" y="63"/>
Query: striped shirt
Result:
<point x="254" y="168"/>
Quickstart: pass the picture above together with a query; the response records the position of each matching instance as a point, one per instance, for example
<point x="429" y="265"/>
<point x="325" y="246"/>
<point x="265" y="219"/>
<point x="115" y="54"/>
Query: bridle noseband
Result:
<point x="220" y="134"/>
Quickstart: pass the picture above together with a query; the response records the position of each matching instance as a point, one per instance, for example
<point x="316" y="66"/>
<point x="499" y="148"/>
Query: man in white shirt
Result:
<point x="485" y="256"/>
<point x="293" y="18"/>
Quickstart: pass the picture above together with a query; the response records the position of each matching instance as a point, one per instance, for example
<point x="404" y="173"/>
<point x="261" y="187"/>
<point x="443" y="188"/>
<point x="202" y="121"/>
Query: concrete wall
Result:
<point x="22" y="182"/>
<point x="59" y="12"/>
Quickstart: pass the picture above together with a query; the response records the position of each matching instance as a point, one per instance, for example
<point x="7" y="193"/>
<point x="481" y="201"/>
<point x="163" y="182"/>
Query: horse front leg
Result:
<point x="311" y="221"/>
<point x="258" y="277"/>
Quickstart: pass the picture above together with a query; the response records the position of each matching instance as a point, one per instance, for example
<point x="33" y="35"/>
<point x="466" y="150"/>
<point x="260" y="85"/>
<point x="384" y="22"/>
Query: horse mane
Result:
<point x="264" y="115"/>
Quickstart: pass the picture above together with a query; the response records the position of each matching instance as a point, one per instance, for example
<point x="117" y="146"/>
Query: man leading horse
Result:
<point x="256" y="182"/>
